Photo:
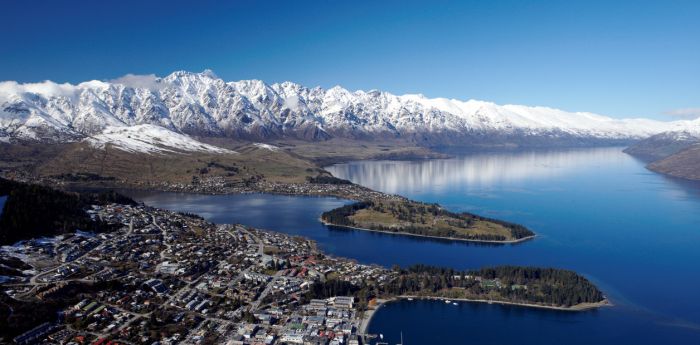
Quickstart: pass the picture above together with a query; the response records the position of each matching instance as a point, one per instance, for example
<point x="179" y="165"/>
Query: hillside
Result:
<point x="149" y="155"/>
<point x="32" y="211"/>
<point x="248" y="163"/>
<point x="663" y="145"/>
<point x="684" y="164"/>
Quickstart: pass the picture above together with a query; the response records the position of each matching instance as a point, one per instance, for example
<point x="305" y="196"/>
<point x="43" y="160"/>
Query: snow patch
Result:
<point x="266" y="147"/>
<point x="150" y="139"/>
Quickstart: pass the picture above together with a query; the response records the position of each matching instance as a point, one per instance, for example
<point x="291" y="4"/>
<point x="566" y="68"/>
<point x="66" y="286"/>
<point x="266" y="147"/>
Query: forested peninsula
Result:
<point x="528" y="286"/>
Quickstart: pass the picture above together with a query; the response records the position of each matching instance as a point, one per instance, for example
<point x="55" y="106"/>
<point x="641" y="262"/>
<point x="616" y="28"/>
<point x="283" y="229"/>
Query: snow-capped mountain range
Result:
<point x="202" y="104"/>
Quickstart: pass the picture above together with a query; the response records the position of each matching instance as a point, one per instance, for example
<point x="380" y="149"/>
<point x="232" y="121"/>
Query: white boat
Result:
<point x="410" y="299"/>
<point x="455" y="303"/>
<point x="448" y="301"/>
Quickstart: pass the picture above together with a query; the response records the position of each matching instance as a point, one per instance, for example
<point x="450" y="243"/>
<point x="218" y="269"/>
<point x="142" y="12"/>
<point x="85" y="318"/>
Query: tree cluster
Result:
<point x="549" y="286"/>
<point x="546" y="286"/>
<point x="32" y="210"/>
<point x="341" y="215"/>
<point x="326" y="179"/>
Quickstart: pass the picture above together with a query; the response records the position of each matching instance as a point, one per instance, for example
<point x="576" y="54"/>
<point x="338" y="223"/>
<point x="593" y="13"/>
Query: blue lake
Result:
<point x="596" y="211"/>
<point x="2" y="203"/>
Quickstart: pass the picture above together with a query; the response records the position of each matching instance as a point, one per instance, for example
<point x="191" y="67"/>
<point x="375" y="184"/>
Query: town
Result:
<point x="166" y="278"/>
<point x="144" y="275"/>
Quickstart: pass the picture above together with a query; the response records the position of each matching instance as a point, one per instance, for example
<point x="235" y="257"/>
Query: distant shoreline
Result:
<point x="402" y="233"/>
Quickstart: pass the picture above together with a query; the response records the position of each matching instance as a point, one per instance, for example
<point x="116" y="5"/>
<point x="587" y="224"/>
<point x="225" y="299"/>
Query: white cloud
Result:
<point x="143" y="81"/>
<point x="210" y="73"/>
<point x="46" y="88"/>
<point x="49" y="88"/>
<point x="684" y="113"/>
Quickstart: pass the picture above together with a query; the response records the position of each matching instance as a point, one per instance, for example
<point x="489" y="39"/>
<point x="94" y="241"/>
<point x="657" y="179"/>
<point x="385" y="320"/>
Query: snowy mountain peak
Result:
<point x="205" y="105"/>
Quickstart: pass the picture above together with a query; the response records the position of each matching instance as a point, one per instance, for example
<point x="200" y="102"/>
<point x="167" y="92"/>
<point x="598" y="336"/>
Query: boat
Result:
<point x="410" y="299"/>
<point x="448" y="301"/>
<point x="455" y="303"/>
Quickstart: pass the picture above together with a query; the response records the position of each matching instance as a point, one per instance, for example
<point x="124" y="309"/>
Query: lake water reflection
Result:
<point x="596" y="211"/>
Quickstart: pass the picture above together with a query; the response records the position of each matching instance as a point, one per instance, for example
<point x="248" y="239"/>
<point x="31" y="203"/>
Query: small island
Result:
<point x="407" y="217"/>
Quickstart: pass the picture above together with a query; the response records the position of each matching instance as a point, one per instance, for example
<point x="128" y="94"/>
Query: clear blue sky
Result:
<point x="620" y="58"/>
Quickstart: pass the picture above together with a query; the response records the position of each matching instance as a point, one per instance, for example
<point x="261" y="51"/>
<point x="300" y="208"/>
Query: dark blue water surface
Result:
<point x="596" y="211"/>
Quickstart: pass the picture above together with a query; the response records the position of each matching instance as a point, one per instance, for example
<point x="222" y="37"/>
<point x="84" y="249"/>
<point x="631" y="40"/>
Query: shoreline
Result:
<point x="358" y="188"/>
<point x="350" y="192"/>
<point x="432" y="154"/>
<point x="574" y="308"/>
<point x="369" y="313"/>
<point x="402" y="233"/>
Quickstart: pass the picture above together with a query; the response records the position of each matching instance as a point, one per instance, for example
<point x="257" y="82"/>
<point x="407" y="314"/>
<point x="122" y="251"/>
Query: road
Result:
<point x="261" y="245"/>
<point x="261" y="250"/>
<point x="164" y="234"/>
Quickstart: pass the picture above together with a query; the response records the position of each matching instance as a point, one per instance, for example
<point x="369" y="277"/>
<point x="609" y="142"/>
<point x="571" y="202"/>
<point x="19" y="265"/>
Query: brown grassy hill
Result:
<point x="684" y="164"/>
<point x="249" y="162"/>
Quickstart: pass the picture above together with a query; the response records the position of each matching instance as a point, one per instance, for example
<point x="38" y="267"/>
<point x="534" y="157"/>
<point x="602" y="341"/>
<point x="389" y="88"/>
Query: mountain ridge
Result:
<point x="674" y="153"/>
<point x="201" y="104"/>
<point x="664" y="144"/>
